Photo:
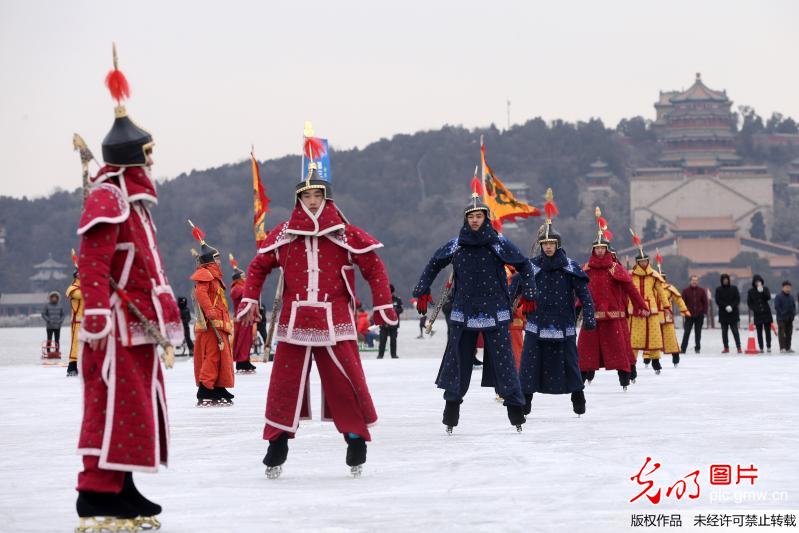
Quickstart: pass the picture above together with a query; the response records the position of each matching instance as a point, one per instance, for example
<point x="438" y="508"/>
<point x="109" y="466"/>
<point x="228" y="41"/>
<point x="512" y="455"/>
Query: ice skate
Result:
<point x="146" y="509"/>
<point x="225" y="396"/>
<point x="245" y="367"/>
<point x="276" y="455"/>
<point x="72" y="369"/>
<point x="516" y="416"/>
<point x="452" y="411"/>
<point x="356" y="454"/>
<point x="207" y="397"/>
<point x="101" y="512"/>
<point x="578" y="402"/>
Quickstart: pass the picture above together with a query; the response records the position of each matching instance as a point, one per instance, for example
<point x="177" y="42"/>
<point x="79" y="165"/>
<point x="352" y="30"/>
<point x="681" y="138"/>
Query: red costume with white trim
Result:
<point x="242" y="335"/>
<point x="318" y="255"/>
<point x="608" y="345"/>
<point x="125" y="425"/>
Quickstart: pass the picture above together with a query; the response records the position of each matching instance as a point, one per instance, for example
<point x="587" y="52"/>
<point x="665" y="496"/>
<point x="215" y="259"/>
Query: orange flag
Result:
<point x="503" y="205"/>
<point x="260" y="202"/>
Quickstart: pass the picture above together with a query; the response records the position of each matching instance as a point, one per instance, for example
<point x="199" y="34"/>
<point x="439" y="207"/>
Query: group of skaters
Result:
<point x="525" y="310"/>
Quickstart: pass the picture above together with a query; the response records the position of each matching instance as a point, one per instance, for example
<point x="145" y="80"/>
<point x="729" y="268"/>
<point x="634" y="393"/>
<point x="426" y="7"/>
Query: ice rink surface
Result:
<point x="563" y="473"/>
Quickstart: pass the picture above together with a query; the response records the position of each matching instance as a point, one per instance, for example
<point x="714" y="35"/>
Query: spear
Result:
<point x="169" y="351"/>
<point x="442" y="299"/>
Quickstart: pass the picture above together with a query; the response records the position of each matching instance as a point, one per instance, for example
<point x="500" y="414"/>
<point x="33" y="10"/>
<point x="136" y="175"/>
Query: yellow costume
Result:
<point x="76" y="300"/>
<point x="645" y="332"/>
<point x="670" y="344"/>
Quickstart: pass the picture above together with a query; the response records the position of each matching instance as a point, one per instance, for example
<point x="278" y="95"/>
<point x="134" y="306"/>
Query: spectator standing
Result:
<point x="185" y="318"/>
<point x="785" y="308"/>
<point x="728" y="299"/>
<point x="695" y="298"/>
<point x="53" y="315"/>
<point x="388" y="331"/>
<point x="758" y="302"/>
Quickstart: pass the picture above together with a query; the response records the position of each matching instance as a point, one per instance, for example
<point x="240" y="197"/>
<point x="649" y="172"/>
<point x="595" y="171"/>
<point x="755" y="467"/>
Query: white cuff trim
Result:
<point x="87" y="336"/>
<point x="246" y="310"/>
<point x="385" y="318"/>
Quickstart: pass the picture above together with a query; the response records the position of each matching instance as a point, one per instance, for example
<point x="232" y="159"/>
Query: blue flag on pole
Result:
<point x="322" y="164"/>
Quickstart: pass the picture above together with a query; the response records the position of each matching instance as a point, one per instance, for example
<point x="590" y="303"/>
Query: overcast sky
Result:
<point x="209" y="79"/>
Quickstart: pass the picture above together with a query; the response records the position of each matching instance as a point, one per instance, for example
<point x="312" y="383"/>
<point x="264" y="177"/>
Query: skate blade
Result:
<point x="657" y="372"/>
<point x="449" y="430"/>
<point x="624" y="388"/>
<point x="148" y="523"/>
<point x="356" y="471"/>
<point x="106" y="524"/>
<point x="519" y="428"/>
<point x="273" y="472"/>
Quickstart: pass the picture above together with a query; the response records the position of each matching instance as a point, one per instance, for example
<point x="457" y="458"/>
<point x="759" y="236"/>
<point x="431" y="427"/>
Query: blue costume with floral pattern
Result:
<point x="481" y="304"/>
<point x="549" y="358"/>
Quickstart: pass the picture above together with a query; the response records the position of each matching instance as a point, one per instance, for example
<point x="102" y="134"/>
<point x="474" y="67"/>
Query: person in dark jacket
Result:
<point x="758" y="302"/>
<point x="550" y="363"/>
<point x="390" y="332"/>
<point x="481" y="305"/>
<point x="53" y="315"/>
<point x="185" y="318"/>
<point x="727" y="299"/>
<point x="695" y="298"/>
<point x="785" y="308"/>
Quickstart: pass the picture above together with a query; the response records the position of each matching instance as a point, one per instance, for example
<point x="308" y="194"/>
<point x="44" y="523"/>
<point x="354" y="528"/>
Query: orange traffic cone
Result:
<point x="751" y="347"/>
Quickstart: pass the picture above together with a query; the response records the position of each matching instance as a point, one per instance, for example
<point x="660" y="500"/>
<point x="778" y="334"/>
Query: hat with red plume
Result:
<point x="547" y="232"/>
<point x="126" y="145"/>
<point x="637" y="242"/>
<point x="237" y="272"/>
<point x="75" y="263"/>
<point x="603" y="234"/>
<point x="476" y="201"/>
<point x="313" y="148"/>
<point x="659" y="261"/>
<point x="208" y="254"/>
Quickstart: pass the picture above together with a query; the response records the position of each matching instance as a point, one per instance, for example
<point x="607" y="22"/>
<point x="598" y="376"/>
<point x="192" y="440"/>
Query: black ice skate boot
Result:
<point x="356" y="454"/>
<point x="146" y="510"/>
<point x="624" y="379"/>
<point x="250" y="368"/>
<point x="206" y="397"/>
<point x="646" y="361"/>
<point x="578" y="402"/>
<point x="72" y="369"/>
<point x="516" y="416"/>
<point x="276" y="455"/>
<point x="588" y="376"/>
<point x="528" y="404"/>
<point x="656" y="366"/>
<point x="675" y="359"/>
<point x="104" y="511"/>
<point x="225" y="397"/>
<point x="452" y="412"/>
<point x="633" y="373"/>
<point x="239" y="367"/>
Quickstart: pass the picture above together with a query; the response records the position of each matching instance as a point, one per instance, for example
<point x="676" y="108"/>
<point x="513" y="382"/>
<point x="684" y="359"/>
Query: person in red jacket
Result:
<point x="242" y="336"/>
<point x="318" y="251"/>
<point x="611" y="286"/>
<point x="125" y="427"/>
<point x="695" y="298"/>
<point x="213" y="358"/>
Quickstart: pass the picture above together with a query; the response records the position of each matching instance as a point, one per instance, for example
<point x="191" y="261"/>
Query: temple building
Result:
<point x="709" y="203"/>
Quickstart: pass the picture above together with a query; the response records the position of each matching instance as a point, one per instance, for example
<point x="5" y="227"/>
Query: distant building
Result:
<point x="699" y="174"/>
<point x="793" y="174"/>
<point x="22" y="304"/>
<point x="50" y="275"/>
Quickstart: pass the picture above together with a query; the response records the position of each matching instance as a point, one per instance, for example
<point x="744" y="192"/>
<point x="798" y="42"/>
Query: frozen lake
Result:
<point x="560" y="474"/>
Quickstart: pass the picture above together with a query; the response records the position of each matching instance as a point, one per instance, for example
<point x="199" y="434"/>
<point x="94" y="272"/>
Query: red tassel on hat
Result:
<point x="116" y="82"/>
<point x="477" y="187"/>
<point x="550" y="209"/>
<point x="233" y="262"/>
<point x="197" y="233"/>
<point x="314" y="148"/>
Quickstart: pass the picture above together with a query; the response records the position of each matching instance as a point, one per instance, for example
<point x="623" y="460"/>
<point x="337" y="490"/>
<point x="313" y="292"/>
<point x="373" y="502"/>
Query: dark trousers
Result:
<point x="387" y="332"/>
<point x="760" y="328"/>
<point x="732" y="326"/>
<point x="696" y="323"/>
<point x="54" y="334"/>
<point x="262" y="331"/>
<point x="784" y="333"/>
<point x="187" y="336"/>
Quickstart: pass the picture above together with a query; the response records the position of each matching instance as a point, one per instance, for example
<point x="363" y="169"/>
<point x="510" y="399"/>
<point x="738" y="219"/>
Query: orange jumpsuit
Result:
<point x="212" y="367"/>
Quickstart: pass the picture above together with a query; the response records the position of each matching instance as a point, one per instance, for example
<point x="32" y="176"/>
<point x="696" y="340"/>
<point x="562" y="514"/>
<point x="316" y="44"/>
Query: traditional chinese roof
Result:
<point x="734" y="272"/>
<point x="599" y="170"/>
<point x="782" y="261"/>
<point x="699" y="92"/>
<point x="50" y="263"/>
